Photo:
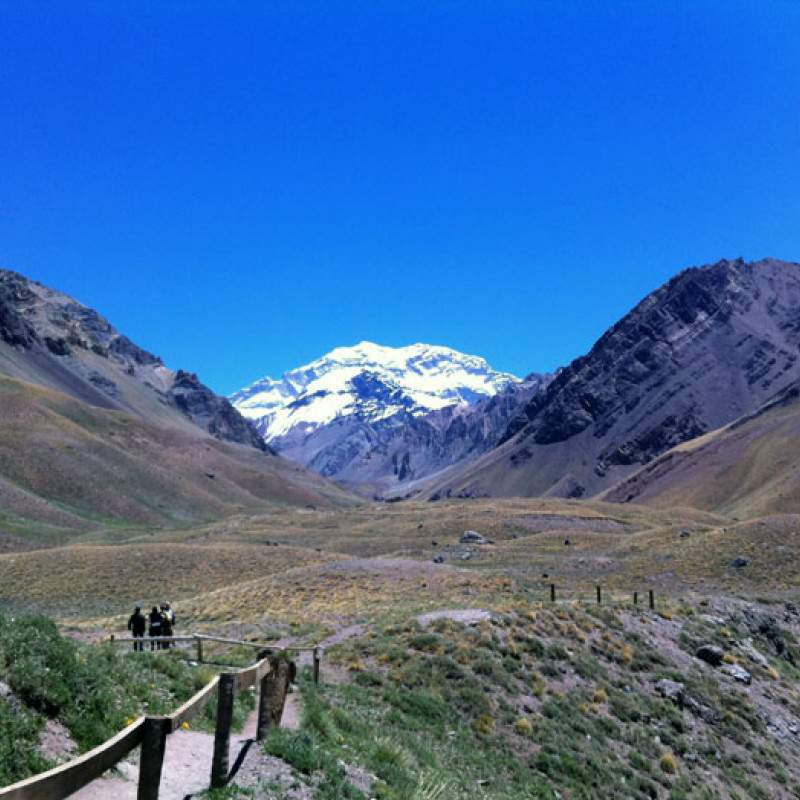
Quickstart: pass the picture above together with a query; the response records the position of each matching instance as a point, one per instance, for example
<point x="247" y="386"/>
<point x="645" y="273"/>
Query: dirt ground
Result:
<point x="187" y="764"/>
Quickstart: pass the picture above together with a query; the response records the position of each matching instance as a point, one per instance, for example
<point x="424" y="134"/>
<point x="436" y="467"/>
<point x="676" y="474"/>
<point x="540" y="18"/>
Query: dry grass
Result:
<point x="330" y="568"/>
<point x="744" y="470"/>
<point x="343" y="592"/>
<point x="98" y="581"/>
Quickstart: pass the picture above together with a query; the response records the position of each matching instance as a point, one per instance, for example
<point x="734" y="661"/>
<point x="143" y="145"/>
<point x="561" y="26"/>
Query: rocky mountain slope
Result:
<point x="746" y="469"/>
<point x="706" y="348"/>
<point x="50" y="339"/>
<point x="375" y="417"/>
<point x="96" y="431"/>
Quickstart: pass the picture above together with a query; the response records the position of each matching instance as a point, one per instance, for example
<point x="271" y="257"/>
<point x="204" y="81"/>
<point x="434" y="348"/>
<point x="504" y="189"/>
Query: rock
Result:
<point x="438" y="560"/>
<point x="739" y="562"/>
<point x="567" y="542"/>
<point x="711" y="654"/>
<point x="738" y="673"/>
<point x="466" y="556"/>
<point x="706" y="713"/>
<point x="671" y="690"/>
<point x="685" y="534"/>
<point x="212" y="412"/>
<point x="765" y="629"/>
<point x="750" y="651"/>
<point x="473" y="537"/>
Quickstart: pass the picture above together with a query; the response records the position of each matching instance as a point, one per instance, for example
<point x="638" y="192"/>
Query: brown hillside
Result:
<point x="747" y="469"/>
<point x="65" y="464"/>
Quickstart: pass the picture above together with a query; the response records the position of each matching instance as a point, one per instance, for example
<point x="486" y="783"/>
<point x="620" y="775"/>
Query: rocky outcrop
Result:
<point x="212" y="412"/>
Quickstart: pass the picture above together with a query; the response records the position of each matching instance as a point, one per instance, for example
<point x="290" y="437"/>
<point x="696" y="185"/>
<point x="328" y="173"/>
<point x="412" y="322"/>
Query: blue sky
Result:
<point x="241" y="187"/>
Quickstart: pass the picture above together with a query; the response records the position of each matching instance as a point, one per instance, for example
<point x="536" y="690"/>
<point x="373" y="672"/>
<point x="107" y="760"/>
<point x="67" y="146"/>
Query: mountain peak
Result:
<point x="370" y="382"/>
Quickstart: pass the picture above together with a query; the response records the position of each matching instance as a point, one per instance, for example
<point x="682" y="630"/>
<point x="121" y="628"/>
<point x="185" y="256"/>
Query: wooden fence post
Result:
<point x="316" y="665"/>
<point x="199" y="649"/>
<point x="274" y="688"/>
<point x="636" y="598"/>
<point x="652" y="600"/>
<point x="264" y="720"/>
<point x="222" y="735"/>
<point x="152" y="759"/>
<point x="552" y="593"/>
<point x="599" y="594"/>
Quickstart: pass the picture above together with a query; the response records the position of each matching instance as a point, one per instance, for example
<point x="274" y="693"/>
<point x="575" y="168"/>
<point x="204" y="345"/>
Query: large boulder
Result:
<point x="711" y="654"/>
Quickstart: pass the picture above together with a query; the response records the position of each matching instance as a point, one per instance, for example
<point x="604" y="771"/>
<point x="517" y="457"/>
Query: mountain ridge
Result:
<point x="703" y="349"/>
<point x="374" y="417"/>
<point x="98" y="433"/>
<point x="53" y="340"/>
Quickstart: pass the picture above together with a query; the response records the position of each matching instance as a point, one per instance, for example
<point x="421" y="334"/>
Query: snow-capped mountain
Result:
<point x="368" y="383"/>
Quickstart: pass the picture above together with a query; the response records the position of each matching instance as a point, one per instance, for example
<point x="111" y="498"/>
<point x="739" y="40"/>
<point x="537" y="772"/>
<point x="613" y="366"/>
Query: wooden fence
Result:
<point x="198" y="639"/>
<point x="272" y="673"/>
<point x="616" y="598"/>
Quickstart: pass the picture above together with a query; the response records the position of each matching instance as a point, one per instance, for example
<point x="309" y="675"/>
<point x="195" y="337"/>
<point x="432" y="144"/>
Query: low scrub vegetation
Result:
<point x="541" y="703"/>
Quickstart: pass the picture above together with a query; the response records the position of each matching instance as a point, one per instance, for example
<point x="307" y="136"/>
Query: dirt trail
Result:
<point x="187" y="762"/>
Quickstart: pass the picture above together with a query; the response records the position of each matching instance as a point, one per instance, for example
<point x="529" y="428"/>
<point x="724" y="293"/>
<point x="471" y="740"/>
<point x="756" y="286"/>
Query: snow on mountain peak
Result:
<point x="369" y="381"/>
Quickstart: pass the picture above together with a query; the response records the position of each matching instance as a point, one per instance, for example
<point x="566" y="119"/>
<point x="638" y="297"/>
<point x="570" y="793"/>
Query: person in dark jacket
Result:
<point x="166" y="623"/>
<point x="155" y="627"/>
<point x="137" y="624"/>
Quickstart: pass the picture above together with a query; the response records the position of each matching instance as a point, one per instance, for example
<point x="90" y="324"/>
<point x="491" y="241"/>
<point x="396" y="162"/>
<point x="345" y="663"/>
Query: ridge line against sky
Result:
<point x="241" y="189"/>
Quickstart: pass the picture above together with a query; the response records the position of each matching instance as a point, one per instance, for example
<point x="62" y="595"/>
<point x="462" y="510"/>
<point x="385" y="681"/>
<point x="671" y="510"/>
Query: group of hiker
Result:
<point x="159" y="622"/>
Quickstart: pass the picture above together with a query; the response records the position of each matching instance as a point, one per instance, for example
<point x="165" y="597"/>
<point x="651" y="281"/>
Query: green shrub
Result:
<point x="294" y="747"/>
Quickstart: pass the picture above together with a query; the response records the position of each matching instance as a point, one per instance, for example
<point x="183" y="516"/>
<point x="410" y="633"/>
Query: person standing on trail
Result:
<point x="137" y="624"/>
<point x="166" y="622"/>
<point x="155" y="627"/>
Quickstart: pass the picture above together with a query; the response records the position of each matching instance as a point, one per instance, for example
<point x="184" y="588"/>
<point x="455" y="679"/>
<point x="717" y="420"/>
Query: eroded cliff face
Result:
<point x="710" y="345"/>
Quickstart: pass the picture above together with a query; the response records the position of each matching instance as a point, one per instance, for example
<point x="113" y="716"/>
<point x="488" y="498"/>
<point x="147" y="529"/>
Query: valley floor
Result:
<point x="448" y="672"/>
